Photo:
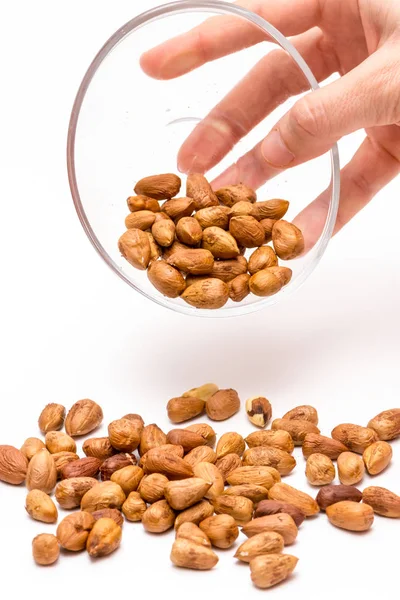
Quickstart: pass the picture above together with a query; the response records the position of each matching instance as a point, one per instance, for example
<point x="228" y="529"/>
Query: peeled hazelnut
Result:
<point x="240" y="209"/>
<point x="63" y="458"/>
<point x="259" y="410"/>
<point x="284" y="274"/>
<point x="297" y="428"/>
<point x="262" y="258"/>
<point x="183" y="409"/>
<point x="198" y="188"/>
<point x="134" y="507"/>
<point x="287" y="239"/>
<point x="84" y="467"/>
<point x="41" y="507"/>
<point x="255" y="493"/>
<point x="106" y="494"/>
<point x="57" y="441"/>
<point x="267" y="225"/>
<point x="221" y="530"/>
<point x="109" y="513"/>
<point x="186" y="492"/>
<point x="227" y="270"/>
<point x="83" y="417"/>
<point x="152" y="487"/>
<point x="42" y="472"/>
<point x="188" y="554"/>
<point x="239" y="287"/>
<point x="167" y="463"/>
<point x="136" y="419"/>
<point x="166" y="279"/>
<point x="190" y="531"/>
<point x="134" y="246"/>
<point x="304" y="412"/>
<point x="160" y="187"/>
<point x="204" y="429"/>
<point x="142" y="219"/>
<point x="124" y="435"/>
<point x="137" y="203"/>
<point x="238" y="507"/>
<point x="230" y="195"/>
<point x="208" y="294"/>
<point x="45" y="549"/>
<point x="377" y="457"/>
<point x="355" y="437"/>
<point x="114" y="463"/>
<point x="270" y="209"/>
<point x="247" y="231"/>
<point x="197" y="261"/>
<point x="220" y="243"/>
<point x="73" y="531"/>
<point x="189" y="231"/>
<point x="69" y="492"/>
<point x="196" y="513"/>
<point x="98" y="448"/>
<point x="31" y="446"/>
<point x="211" y="475"/>
<point x="230" y="442"/>
<point x="269" y="569"/>
<point x="275" y="507"/>
<point x="286" y="493"/>
<point x="128" y="478"/>
<point x="159" y="517"/>
<point x="351" y="468"/>
<point x="51" y="418"/>
<point x="277" y="439"/>
<point x="386" y="424"/>
<point x="264" y="283"/>
<point x="228" y="464"/>
<point x="177" y="208"/>
<point x="104" y="538"/>
<point x="152" y="436"/>
<point x="185" y="438"/>
<point x="163" y="232"/>
<point x="267" y="542"/>
<point x="320" y="469"/>
<point x="213" y="216"/>
<point x="223" y="404"/>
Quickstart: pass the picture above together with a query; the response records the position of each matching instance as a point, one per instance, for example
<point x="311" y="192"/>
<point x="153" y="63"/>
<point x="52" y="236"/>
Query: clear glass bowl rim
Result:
<point x="180" y="7"/>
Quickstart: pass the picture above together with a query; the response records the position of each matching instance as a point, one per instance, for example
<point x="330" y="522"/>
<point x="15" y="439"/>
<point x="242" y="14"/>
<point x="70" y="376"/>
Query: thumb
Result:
<point x="364" y="97"/>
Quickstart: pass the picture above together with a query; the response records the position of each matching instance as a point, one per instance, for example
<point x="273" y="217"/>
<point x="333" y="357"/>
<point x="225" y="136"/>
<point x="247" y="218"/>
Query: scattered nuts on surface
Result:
<point x="355" y="437"/>
<point x="190" y="531"/>
<point x="52" y="418"/>
<point x="221" y="530"/>
<point x="210" y="474"/>
<point x="104" y="538"/>
<point x="73" y="531"/>
<point x="277" y="439"/>
<point x="41" y="507"/>
<point x="315" y="443"/>
<point x="351" y="468"/>
<point x="57" y="441"/>
<point x="69" y="492"/>
<point x="230" y="442"/>
<point x="189" y="554"/>
<point x="382" y="501"/>
<point x="124" y="435"/>
<point x="377" y="457"/>
<point x="158" y="517"/>
<point x="320" y="470"/>
<point x="350" y="515"/>
<point x="222" y="405"/>
<point x="270" y="569"/>
<point x="184" y="408"/>
<point x="386" y="424"/>
<point x="302" y="413"/>
<point x="98" y="448"/>
<point x="42" y="472"/>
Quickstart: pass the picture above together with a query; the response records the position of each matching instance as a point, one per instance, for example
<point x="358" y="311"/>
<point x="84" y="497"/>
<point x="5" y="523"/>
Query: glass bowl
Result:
<point x="126" y="125"/>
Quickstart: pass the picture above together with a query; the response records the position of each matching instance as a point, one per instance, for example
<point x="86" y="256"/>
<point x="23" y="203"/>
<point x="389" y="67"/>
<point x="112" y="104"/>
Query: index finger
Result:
<point x="223" y="35"/>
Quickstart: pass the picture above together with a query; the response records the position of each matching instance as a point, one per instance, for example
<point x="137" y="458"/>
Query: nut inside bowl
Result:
<point x="126" y="125"/>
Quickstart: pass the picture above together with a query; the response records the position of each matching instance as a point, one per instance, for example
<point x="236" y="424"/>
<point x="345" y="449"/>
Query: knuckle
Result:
<point x="309" y="117"/>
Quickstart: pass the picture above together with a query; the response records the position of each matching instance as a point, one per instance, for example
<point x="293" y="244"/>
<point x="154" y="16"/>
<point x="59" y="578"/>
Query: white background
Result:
<point x="70" y="329"/>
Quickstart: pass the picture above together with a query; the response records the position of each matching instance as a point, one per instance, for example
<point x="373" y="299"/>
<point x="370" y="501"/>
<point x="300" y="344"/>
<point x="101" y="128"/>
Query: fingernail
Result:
<point x="275" y="151"/>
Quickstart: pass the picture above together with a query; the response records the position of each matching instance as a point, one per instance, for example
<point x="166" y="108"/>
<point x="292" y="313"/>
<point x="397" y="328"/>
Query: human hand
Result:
<point x="359" y="39"/>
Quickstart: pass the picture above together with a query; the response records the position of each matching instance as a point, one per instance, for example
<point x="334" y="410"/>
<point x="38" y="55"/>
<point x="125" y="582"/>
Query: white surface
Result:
<point x="71" y="329"/>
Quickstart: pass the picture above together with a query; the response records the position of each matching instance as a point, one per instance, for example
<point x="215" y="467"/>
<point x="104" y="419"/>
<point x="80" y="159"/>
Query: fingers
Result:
<point x="220" y="36"/>
<point x="374" y="165"/>
<point x="274" y="79"/>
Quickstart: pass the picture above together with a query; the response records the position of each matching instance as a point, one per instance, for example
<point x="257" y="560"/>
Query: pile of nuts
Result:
<point x="203" y="488"/>
<point x="193" y="247"/>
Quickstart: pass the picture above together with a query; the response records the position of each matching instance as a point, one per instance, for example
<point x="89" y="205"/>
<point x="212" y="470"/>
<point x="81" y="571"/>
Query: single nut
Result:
<point x="83" y="417"/>
<point x="84" y="467"/>
<point x="238" y="507"/>
<point x="152" y="487"/>
<point x="211" y="475"/>
<point x="228" y="464"/>
<point x="159" y="187"/>
<point x="163" y="232"/>
<point x="230" y="442"/>
<point x="297" y="428"/>
<point x="220" y="243"/>
<point x="350" y="515"/>
<point x="255" y="493"/>
<point x="134" y="507"/>
<point x="73" y="531"/>
<point x="277" y="439"/>
<point x="57" y="441"/>
<point x="69" y="492"/>
<point x="190" y="531"/>
<point x="281" y="523"/>
<point x="166" y="279"/>
<point x="63" y="458"/>
<point x="213" y="216"/>
<point x="159" y="517"/>
<point x="198" y="188"/>
<point x="223" y="405"/>
<point x="320" y="469"/>
<point x="128" y="478"/>
<point x="208" y="294"/>
<point x="114" y="463"/>
<point x="331" y="494"/>
<point x="203" y="392"/>
<point x="286" y="493"/>
<point x="284" y="274"/>
<point x="186" y="553"/>
<point x="106" y="494"/>
<point x="267" y="225"/>
<point x="109" y="513"/>
<point x="241" y="209"/>
<point x="136" y="419"/>
<point x="262" y="258"/>
<point x="267" y="456"/>
<point x="274" y="507"/>
<point x="166" y="448"/>
<point x="221" y="530"/>
<point x="351" y="468"/>
<point x="304" y="412"/>
<point x="13" y="465"/>
<point x="52" y="417"/>
<point x="227" y="270"/>
<point x="251" y="474"/>
<point x="168" y="464"/>
<point x="41" y="507"/>
<point x="355" y="437"/>
<point x="232" y="194"/>
<point x="104" y="538"/>
<point x="247" y="231"/>
<point x="197" y="261"/>
<point x="287" y="239"/>
<point x="270" y="209"/>
<point x="32" y="446"/>
<point x="259" y="410"/>
<point x="239" y="287"/>
<point x="321" y="444"/>
<point x="264" y="283"/>
<point x="42" y="472"/>
<point x="137" y="203"/>
<point x="134" y="246"/>
<point x="155" y="250"/>
<point x="270" y="569"/>
<point x="45" y="549"/>
<point x="124" y="435"/>
<point x="267" y="542"/>
<point x="142" y="219"/>
<point x="196" y="513"/>
<point x="152" y="436"/>
<point x="199" y="455"/>
<point x="186" y="492"/>
<point x="98" y="448"/>
<point x="386" y="424"/>
<point x="377" y="457"/>
<point x="204" y="429"/>
<point x="382" y="501"/>
<point x="185" y="438"/>
<point x="183" y="409"/>
<point x="177" y="208"/>
<point x="189" y="231"/>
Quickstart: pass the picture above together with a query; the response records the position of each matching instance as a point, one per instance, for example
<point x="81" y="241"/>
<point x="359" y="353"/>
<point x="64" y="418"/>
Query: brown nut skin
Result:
<point x="197" y="261"/>
<point x="84" y="467"/>
<point x="270" y="569"/>
<point x="284" y="274"/>
<point x="160" y="187"/>
<point x="186" y="492"/>
<point x="281" y="523"/>
<point x="190" y="531"/>
<point x="297" y="428"/>
<point x="377" y="457"/>
<point x="134" y="507"/>
<point x="165" y="448"/>
<point x="136" y="203"/>
<point x="257" y="475"/>
<point x="262" y="258"/>
<point x="267" y="225"/>
<point x="57" y="441"/>
<point x="277" y="439"/>
<point x="182" y="409"/>
<point x="221" y="530"/>
<point x="264" y="283"/>
<point x="159" y="517"/>
<point x="32" y="446"/>
<point x="386" y="424"/>
<point x="189" y="231"/>
<point x="199" y="455"/>
<point x="286" y="493"/>
<point x="134" y="246"/>
<point x="198" y="188"/>
<point x="104" y="538"/>
<point x="63" y="458"/>
<point x="128" y="478"/>
<point x="314" y="442"/>
<point x="288" y="240"/>
<point x="42" y="472"/>
<point x="351" y="516"/>
<point x="213" y="216"/>
<point x="163" y="232"/>
<point x="73" y="531"/>
<point x="185" y="438"/>
<point x="220" y="243"/>
<point x="223" y="405"/>
<point x="13" y="465"/>
<point x="228" y="464"/>
<point x="41" y="507"/>
<point x="351" y="468"/>
<point x="186" y="553"/>
<point x="166" y="279"/>
<point x="305" y="412"/>
<point x="45" y="549"/>
<point x="241" y="209"/>
<point x="239" y="287"/>
<point x="320" y="470"/>
<point x="84" y="416"/>
<point x="383" y="501"/>
<point x="267" y="542"/>
<point x="195" y="514"/>
<point x="238" y="507"/>
<point x="106" y="494"/>
<point x="152" y="436"/>
<point x="270" y="209"/>
<point x="109" y="513"/>
<point x="227" y="270"/>
<point x="51" y="418"/>
<point x="230" y="442"/>
<point x="142" y="219"/>
<point x="355" y="437"/>
<point x="259" y="410"/>
<point x="331" y="494"/>
<point x="114" y="463"/>
<point x="177" y="208"/>
<point x="274" y="507"/>
<point x="69" y="492"/>
<point x="268" y="456"/>
<point x="232" y="194"/>
<point x="168" y="464"/>
<point x="247" y="231"/>
<point x="98" y="448"/>
<point x="208" y="294"/>
<point x="255" y="493"/>
<point x="124" y="435"/>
